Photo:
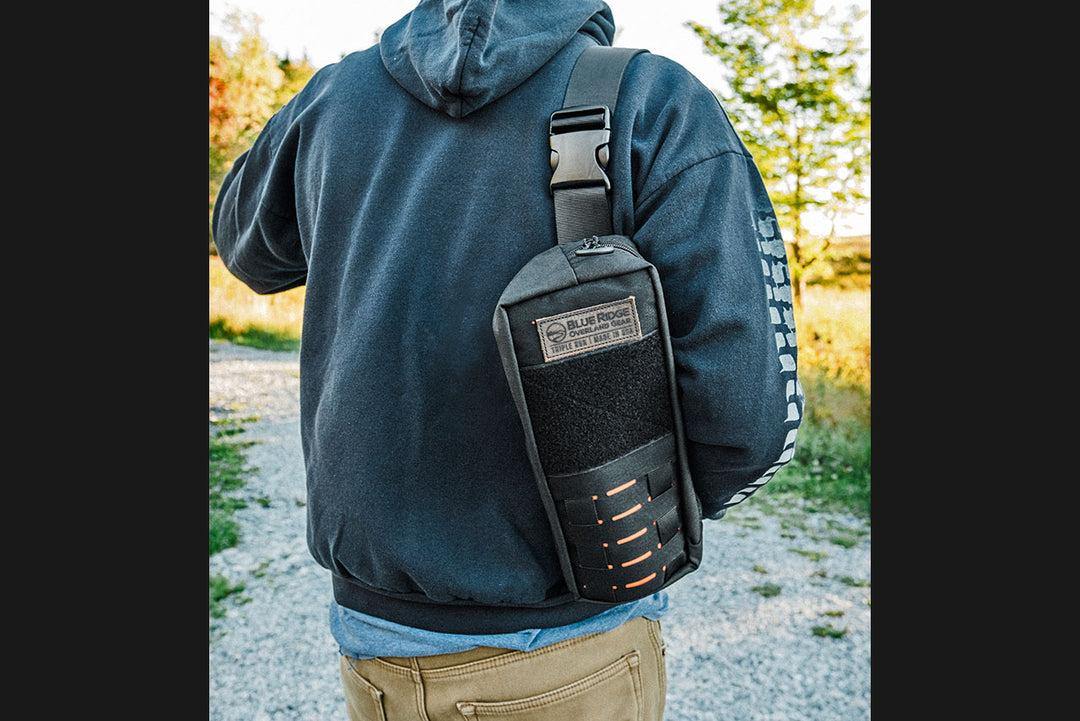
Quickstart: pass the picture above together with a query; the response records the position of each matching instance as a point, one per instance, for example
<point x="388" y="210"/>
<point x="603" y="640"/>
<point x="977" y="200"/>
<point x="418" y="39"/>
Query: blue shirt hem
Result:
<point x="361" y="636"/>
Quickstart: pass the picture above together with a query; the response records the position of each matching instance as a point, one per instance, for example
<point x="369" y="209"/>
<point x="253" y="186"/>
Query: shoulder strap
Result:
<point x="579" y="135"/>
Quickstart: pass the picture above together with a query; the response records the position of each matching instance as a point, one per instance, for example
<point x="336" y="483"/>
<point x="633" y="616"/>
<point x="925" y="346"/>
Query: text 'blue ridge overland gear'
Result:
<point x="583" y="336"/>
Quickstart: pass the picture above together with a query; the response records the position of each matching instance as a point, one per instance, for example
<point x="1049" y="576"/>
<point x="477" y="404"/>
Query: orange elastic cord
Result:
<point x="624" y="514"/>
<point x="623" y="487"/>
<point x="639" y="559"/>
<point x="643" y="581"/>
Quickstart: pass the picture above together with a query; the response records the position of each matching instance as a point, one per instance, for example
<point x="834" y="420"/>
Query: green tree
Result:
<point x="248" y="84"/>
<point x="296" y="77"/>
<point x="796" y="98"/>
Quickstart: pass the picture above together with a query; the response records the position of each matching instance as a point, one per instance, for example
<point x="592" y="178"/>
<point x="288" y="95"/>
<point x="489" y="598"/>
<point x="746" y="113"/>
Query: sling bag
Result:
<point x="583" y="337"/>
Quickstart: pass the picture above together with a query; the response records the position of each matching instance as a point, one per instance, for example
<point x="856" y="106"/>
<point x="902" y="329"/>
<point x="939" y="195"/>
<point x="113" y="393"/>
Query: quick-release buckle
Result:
<point x="579" y="139"/>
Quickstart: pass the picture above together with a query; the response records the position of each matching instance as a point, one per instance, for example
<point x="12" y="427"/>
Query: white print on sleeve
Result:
<point x="778" y="291"/>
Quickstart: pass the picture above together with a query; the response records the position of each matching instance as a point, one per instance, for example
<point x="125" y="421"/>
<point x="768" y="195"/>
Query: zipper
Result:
<point x="593" y="246"/>
<point x="628" y="249"/>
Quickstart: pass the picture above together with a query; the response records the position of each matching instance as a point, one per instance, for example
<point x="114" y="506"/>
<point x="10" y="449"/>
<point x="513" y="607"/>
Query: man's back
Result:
<point x="405" y="186"/>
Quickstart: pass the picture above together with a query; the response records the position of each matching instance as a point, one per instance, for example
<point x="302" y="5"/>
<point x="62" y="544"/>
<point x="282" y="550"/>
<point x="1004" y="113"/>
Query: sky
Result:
<point x="325" y="30"/>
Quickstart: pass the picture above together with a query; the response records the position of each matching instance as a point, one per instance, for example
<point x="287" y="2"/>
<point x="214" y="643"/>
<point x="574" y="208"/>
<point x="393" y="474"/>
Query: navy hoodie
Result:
<point x="404" y="186"/>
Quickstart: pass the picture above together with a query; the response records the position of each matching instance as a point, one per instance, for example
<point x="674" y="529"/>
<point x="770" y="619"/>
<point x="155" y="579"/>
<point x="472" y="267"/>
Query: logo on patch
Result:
<point x="556" y="332"/>
<point x="587" y="329"/>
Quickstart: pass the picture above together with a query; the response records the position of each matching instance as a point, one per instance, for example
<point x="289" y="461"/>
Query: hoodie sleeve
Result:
<point x="709" y="227"/>
<point x="254" y="225"/>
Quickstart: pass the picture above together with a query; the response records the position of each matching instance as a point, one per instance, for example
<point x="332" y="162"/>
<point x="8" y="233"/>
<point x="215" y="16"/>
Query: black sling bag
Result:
<point x="582" y="333"/>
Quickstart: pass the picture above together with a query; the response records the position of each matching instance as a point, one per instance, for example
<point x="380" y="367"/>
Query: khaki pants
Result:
<point x="614" y="676"/>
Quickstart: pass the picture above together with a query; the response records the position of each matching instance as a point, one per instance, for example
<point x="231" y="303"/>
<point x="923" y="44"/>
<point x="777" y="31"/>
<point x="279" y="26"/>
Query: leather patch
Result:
<point x="587" y="329"/>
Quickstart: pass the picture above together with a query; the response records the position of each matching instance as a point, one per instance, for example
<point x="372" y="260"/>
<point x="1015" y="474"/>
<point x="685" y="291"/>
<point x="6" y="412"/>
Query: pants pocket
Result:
<point x="613" y="693"/>
<point x="363" y="701"/>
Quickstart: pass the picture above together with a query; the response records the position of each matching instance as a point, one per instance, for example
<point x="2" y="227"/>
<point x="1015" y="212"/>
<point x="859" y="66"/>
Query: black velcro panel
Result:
<point x="589" y="410"/>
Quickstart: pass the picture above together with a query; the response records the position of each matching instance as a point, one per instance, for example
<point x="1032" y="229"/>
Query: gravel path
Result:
<point x="734" y="653"/>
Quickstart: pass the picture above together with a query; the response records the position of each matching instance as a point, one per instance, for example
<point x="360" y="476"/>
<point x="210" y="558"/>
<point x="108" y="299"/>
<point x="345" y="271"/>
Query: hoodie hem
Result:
<point x="463" y="618"/>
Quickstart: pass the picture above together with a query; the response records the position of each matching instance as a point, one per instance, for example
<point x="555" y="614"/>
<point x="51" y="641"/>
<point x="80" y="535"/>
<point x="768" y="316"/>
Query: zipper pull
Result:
<point x="592" y="246"/>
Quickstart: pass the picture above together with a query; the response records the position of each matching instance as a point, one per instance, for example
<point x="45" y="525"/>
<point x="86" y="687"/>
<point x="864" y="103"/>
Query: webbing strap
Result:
<point x="581" y="213"/>
<point x="597" y="76"/>
<point x="579" y="137"/>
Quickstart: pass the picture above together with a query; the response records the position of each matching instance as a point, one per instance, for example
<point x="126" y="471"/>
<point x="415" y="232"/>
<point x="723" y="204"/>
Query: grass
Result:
<point x="220" y="589"/>
<point x="831" y="467"/>
<point x="271" y="322"/>
<point x="228" y="475"/>
<point x="827" y="631"/>
<point x="767" y="590"/>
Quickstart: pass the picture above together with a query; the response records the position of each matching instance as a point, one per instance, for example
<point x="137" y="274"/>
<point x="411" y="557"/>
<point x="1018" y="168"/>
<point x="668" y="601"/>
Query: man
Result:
<point x="405" y="186"/>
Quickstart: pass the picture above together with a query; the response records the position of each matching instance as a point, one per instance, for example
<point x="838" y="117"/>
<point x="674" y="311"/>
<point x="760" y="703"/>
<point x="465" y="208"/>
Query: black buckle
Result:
<point x="579" y="147"/>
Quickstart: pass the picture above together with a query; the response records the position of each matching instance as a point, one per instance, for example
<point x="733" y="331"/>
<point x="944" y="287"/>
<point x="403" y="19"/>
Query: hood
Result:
<point x="459" y="55"/>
